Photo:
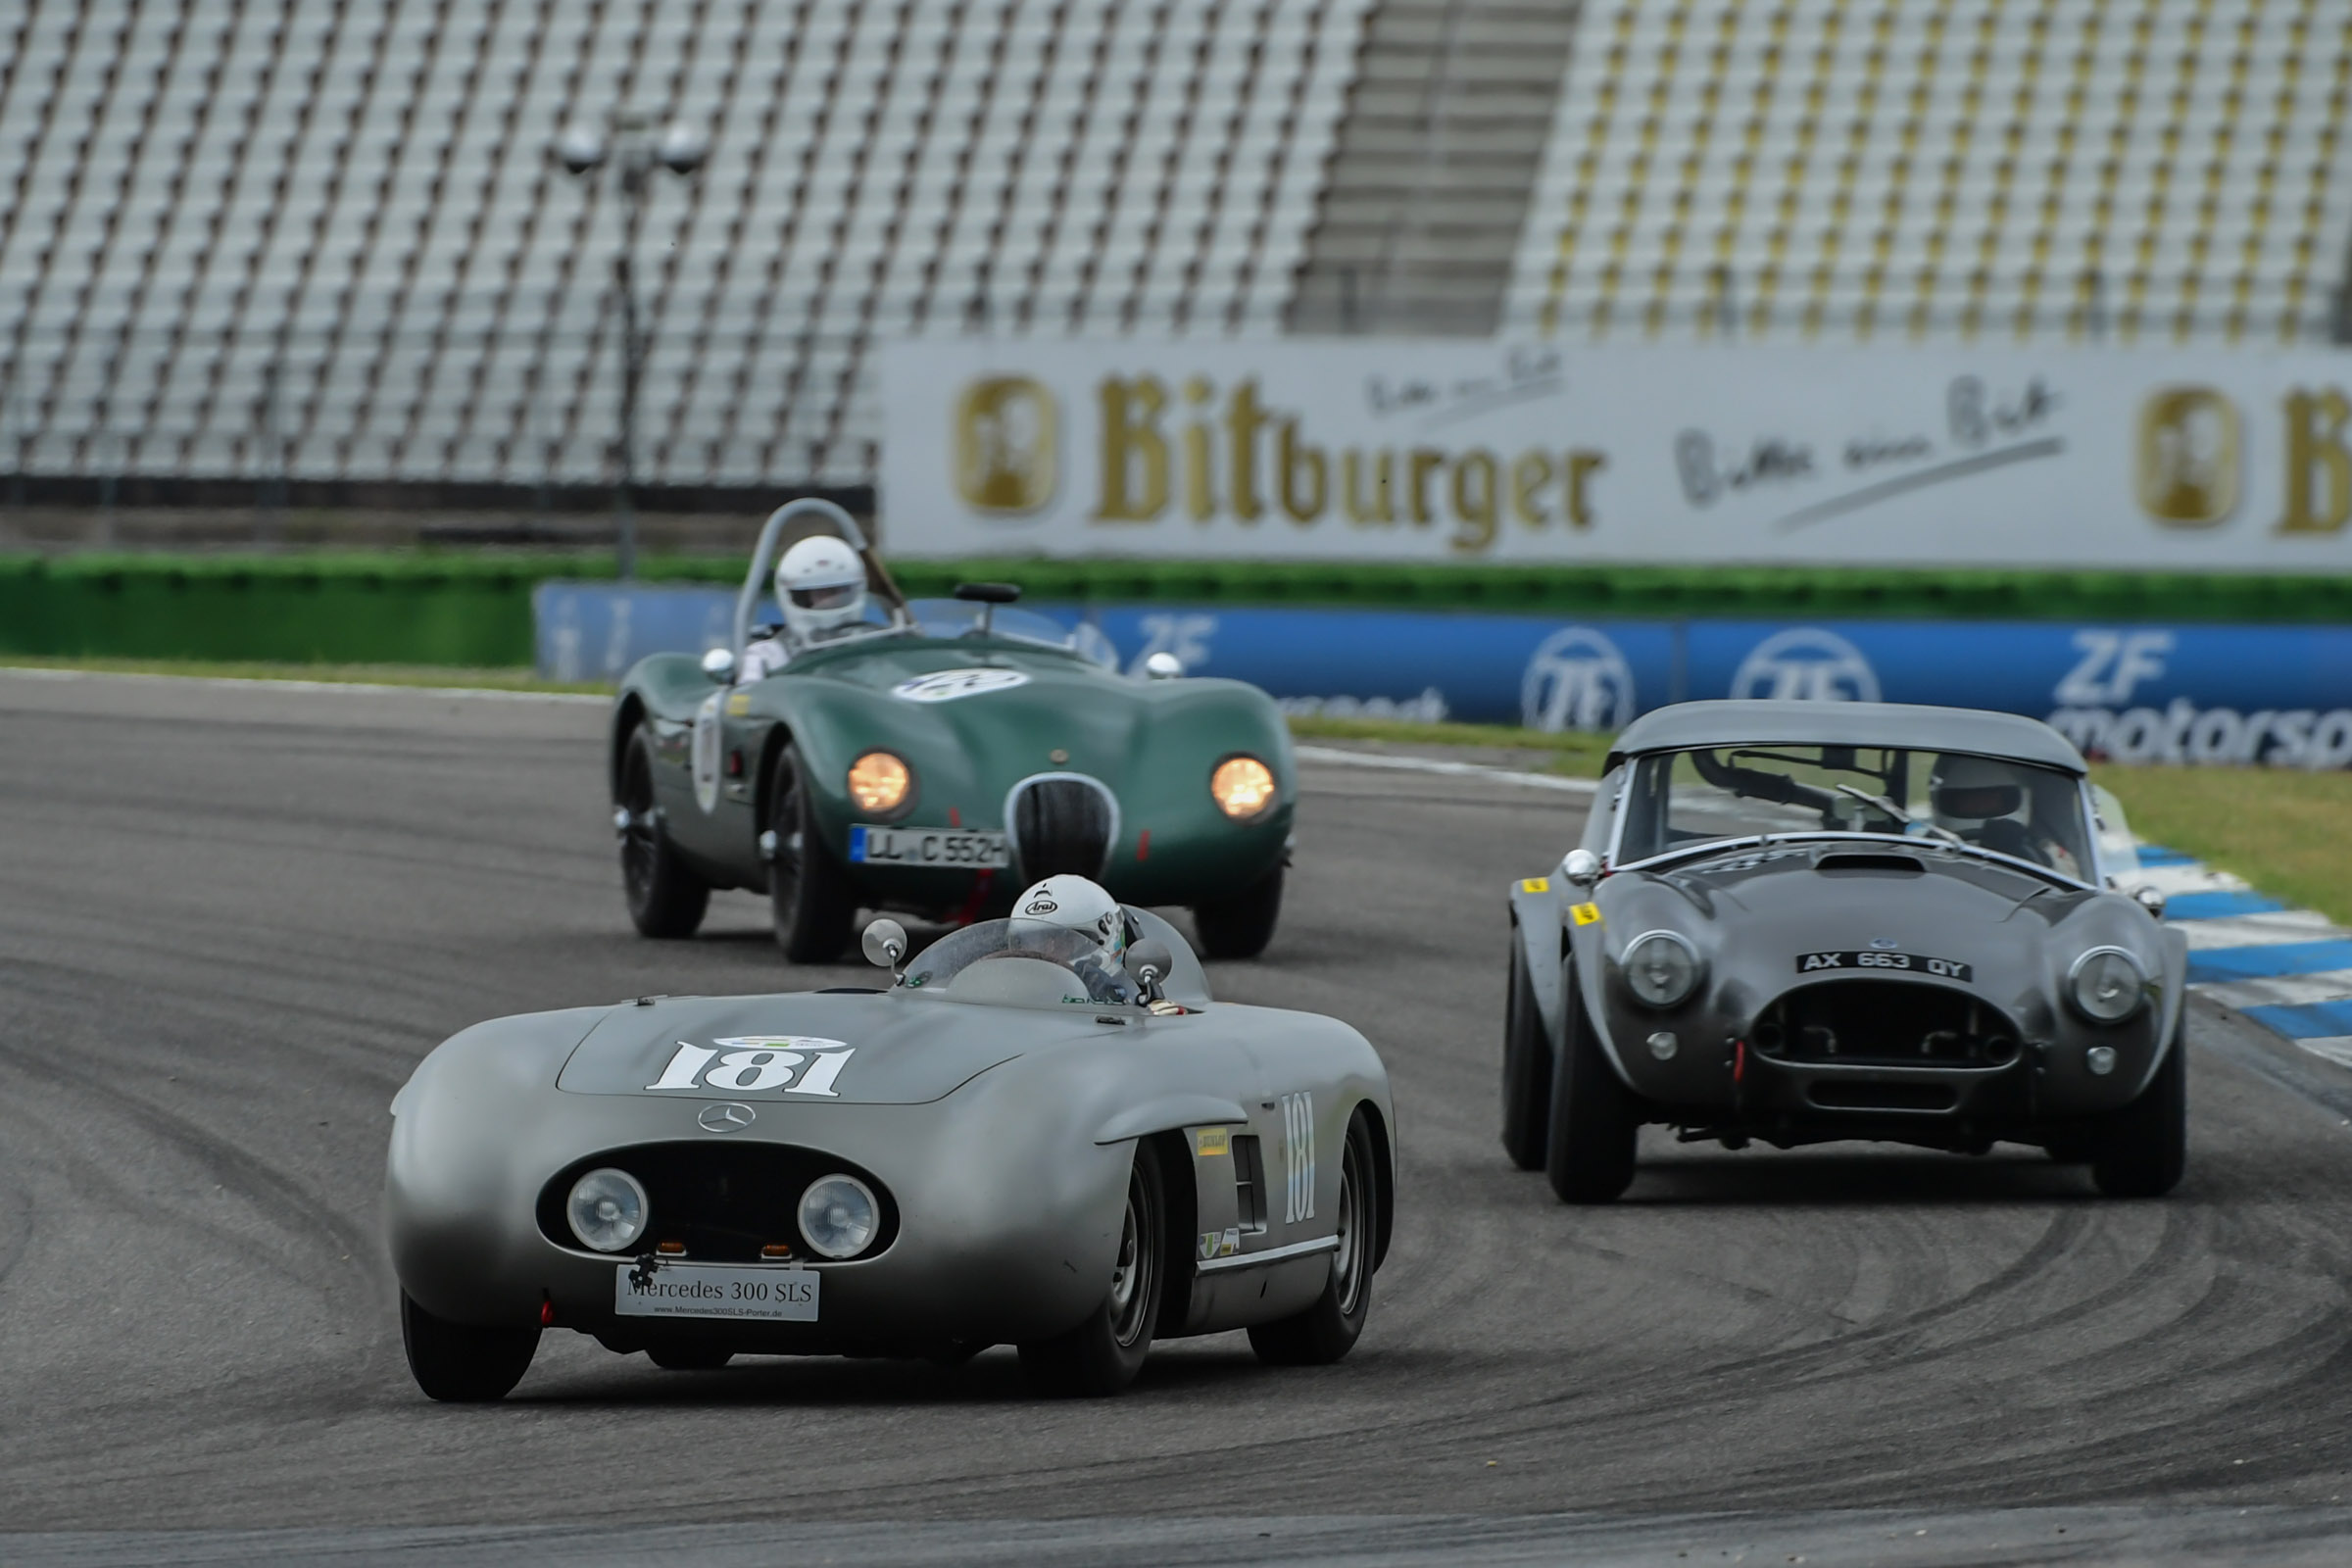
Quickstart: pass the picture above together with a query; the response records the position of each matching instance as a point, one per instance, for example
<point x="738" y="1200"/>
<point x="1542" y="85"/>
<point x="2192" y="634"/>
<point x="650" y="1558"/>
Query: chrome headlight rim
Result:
<point x="2139" y="989"/>
<point x="874" y="1219"/>
<point x="904" y="805"/>
<point x="1264" y="809"/>
<point x="1698" y="968"/>
<point x="632" y="1189"/>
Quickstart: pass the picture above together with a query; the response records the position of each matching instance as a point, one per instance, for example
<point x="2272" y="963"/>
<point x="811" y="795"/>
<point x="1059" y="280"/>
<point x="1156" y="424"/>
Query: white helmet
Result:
<point x="820" y="587"/>
<point x="1077" y="904"/>
<point x="1967" y="792"/>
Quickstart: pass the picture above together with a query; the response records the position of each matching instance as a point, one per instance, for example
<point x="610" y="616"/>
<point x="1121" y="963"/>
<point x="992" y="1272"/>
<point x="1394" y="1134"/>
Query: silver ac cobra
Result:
<point x="1795" y="922"/>
<point x="1003" y="1147"/>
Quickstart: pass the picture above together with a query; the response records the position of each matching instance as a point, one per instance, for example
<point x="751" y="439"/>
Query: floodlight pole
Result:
<point x="583" y="151"/>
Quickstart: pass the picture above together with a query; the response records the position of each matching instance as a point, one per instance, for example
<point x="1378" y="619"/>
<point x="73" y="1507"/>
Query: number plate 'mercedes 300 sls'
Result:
<point x="1880" y="962"/>
<point x="703" y="1290"/>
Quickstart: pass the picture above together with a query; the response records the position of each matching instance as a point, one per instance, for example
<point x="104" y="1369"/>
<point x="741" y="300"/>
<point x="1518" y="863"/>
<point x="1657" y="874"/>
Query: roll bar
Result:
<point x="763" y="562"/>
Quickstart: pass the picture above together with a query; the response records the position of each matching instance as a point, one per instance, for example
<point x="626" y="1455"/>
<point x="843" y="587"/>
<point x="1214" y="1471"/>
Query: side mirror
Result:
<point x="1150" y="962"/>
<point x="719" y="665"/>
<point x="1581" y="867"/>
<point x="2149" y="899"/>
<point x="885" y="945"/>
<point x="1162" y="665"/>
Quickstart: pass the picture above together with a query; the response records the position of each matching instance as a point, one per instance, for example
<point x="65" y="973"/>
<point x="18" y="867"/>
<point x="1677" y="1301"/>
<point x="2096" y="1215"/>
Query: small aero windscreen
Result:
<point x="1685" y="800"/>
<point x="1073" y="951"/>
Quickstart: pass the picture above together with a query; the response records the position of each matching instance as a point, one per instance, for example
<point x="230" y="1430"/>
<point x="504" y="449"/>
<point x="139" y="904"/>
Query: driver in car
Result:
<point x="1077" y="904"/>
<point x="820" y="587"/>
<point x="1983" y="802"/>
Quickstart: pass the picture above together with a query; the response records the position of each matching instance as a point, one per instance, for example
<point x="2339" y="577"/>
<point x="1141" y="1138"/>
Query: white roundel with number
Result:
<point x="946" y="685"/>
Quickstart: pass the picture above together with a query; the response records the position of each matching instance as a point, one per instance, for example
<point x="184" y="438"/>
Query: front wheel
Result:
<point x="2141" y="1150"/>
<point x="1526" y="1069"/>
<point x="1589" y="1148"/>
<point x="459" y="1363"/>
<point x="665" y="900"/>
<point x="1102" y="1354"/>
<point x="1240" y="927"/>
<point x="814" y="902"/>
<point x="1327" y="1330"/>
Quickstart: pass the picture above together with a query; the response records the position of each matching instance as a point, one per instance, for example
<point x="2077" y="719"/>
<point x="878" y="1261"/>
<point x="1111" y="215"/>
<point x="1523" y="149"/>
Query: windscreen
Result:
<point x="959" y="618"/>
<point x="937" y="965"/>
<point x="1681" y="800"/>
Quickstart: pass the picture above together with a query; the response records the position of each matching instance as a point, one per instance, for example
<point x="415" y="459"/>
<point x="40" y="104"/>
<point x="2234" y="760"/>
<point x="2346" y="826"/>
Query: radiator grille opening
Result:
<point x="1896" y="1023"/>
<point x="1061" y="825"/>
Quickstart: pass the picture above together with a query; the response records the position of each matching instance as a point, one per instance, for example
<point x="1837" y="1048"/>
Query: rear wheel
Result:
<point x="2141" y="1150"/>
<point x="1588" y="1146"/>
<point x="810" y="894"/>
<point x="1526" y="1069"/>
<point x="1240" y="927"/>
<point x="665" y="900"/>
<point x="1102" y="1354"/>
<point x="1327" y="1330"/>
<point x="459" y="1363"/>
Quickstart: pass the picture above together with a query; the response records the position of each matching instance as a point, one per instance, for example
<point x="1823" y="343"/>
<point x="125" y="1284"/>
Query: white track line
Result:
<point x="1332" y="757"/>
<point x="264" y="683"/>
<point x="2257" y="930"/>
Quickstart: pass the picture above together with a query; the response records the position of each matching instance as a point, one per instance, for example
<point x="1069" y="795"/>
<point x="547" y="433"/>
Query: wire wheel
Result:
<point x="664" y="897"/>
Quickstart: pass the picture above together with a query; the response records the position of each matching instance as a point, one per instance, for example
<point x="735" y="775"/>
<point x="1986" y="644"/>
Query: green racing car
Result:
<point x="934" y="758"/>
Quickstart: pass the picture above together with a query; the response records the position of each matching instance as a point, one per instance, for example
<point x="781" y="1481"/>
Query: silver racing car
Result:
<point x="1010" y="1144"/>
<point x="1801" y="921"/>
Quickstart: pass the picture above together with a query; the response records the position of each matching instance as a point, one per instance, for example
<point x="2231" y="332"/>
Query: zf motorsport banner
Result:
<point x="1449" y="451"/>
<point x="2280" y="695"/>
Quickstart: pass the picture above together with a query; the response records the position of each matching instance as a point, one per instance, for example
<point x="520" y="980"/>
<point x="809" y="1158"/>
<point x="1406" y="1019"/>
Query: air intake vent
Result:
<point x="1062" y="822"/>
<point x="1870" y="865"/>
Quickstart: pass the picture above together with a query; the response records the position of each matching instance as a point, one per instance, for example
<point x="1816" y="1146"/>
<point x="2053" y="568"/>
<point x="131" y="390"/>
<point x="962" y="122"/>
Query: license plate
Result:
<point x="714" y="1290"/>
<point x="1900" y="962"/>
<point x="923" y="846"/>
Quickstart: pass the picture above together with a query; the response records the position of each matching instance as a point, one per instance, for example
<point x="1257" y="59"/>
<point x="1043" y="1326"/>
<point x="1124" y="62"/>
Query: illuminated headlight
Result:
<point x="1243" y="787"/>
<point x="879" y="781"/>
<point x="1661" y="968"/>
<point x="839" y="1217"/>
<point x="606" y="1210"/>
<point x="2106" y="984"/>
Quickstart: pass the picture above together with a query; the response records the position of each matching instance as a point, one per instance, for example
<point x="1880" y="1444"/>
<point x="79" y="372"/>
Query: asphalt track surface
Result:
<point x="231" y="918"/>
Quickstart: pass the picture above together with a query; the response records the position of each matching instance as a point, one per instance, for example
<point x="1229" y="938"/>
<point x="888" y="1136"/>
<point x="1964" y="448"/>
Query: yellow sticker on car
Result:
<point x="1213" y="1140"/>
<point x="1586" y="913"/>
<point x="740" y="703"/>
<point x="1536" y="884"/>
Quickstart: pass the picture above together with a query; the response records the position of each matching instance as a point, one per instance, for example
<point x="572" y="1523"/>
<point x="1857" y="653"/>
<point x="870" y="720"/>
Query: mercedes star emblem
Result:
<point x="727" y="1118"/>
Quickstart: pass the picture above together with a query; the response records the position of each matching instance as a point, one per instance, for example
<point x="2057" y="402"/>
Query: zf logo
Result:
<point x="1298" y="1157"/>
<point x="1576" y="680"/>
<point x="1807" y="663"/>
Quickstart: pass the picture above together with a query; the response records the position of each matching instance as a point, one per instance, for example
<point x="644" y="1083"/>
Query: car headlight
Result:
<point x="1661" y="968"/>
<point x="839" y="1217"/>
<point x="879" y="781"/>
<point x="606" y="1210"/>
<point x="2107" y="985"/>
<point x="1243" y="787"/>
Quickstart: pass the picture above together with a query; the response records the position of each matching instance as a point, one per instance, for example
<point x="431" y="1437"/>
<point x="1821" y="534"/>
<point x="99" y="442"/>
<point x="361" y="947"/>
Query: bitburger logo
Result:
<point x="1004" y="445"/>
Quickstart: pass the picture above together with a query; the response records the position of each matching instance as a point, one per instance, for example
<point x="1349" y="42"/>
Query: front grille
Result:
<point x="1061" y="824"/>
<point x="724" y="1201"/>
<point x="1891" y="1023"/>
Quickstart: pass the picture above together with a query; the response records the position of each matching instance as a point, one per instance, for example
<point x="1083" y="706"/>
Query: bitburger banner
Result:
<point x="1371" y="450"/>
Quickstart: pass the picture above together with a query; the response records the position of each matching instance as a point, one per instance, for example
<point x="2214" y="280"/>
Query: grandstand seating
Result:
<point x="324" y="237"/>
<point x="1873" y="168"/>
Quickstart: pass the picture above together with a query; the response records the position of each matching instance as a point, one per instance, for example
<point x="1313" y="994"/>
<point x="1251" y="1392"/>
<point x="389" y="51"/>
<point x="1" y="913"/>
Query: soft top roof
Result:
<point x="1906" y="726"/>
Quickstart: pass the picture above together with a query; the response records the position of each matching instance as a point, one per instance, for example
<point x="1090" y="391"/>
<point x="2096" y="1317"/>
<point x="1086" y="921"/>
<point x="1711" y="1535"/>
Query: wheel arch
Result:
<point x="1538" y="924"/>
<point x="1384" y="1175"/>
<point x="1180" y="1225"/>
<point x="627" y="715"/>
<point x="763" y="792"/>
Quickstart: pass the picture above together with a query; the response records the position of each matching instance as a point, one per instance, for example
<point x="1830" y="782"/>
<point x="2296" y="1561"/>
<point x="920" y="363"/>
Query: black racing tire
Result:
<point x="666" y="901"/>
<point x="814" y="904"/>
<point x="1240" y="927"/>
<point x="458" y="1363"/>
<point x="1327" y="1330"/>
<point x="1102" y="1354"/>
<point x="1526" y="1069"/>
<point x="2142" y="1149"/>
<point x="1588" y="1146"/>
<point x="689" y="1358"/>
<point x="951" y="1354"/>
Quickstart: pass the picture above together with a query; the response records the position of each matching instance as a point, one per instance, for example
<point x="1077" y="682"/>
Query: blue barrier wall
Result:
<point x="2194" y="694"/>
